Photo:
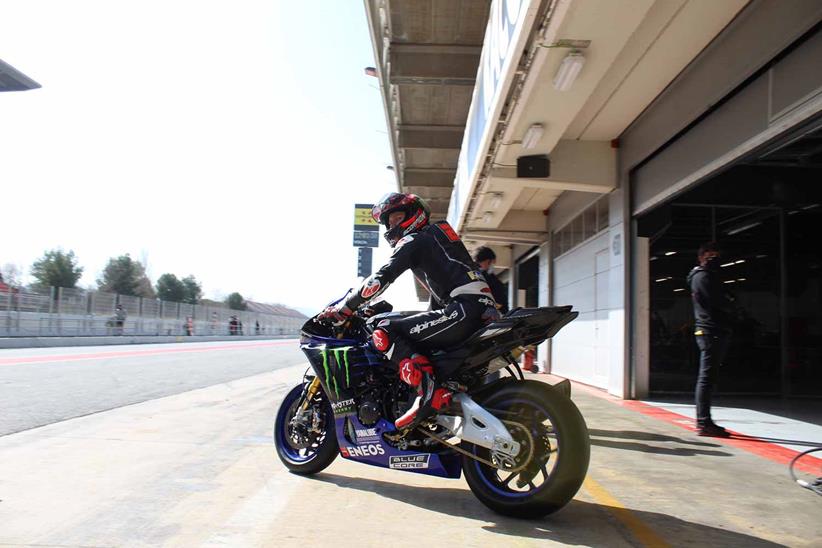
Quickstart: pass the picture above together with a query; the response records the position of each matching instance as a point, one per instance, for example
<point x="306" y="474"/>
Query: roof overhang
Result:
<point x="12" y="79"/>
<point x="427" y="55"/>
<point x="632" y="52"/>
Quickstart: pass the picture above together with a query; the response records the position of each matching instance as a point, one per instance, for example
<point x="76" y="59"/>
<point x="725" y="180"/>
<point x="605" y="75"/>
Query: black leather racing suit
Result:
<point x="460" y="297"/>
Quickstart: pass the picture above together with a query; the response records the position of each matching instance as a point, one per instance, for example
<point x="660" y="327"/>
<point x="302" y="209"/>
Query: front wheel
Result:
<point x="305" y="440"/>
<point x="558" y="462"/>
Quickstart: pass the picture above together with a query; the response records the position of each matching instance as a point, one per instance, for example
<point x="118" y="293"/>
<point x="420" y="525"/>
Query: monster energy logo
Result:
<point x="329" y="378"/>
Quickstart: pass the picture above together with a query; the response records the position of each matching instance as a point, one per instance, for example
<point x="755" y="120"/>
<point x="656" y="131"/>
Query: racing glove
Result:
<point x="336" y="315"/>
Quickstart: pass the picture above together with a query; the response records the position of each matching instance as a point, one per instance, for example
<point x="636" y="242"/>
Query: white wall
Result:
<point x="544" y="299"/>
<point x="591" y="278"/>
<point x="579" y="350"/>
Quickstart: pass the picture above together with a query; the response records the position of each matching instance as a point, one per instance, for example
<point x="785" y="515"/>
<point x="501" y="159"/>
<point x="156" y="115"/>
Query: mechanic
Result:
<point x="485" y="258"/>
<point x="713" y="318"/>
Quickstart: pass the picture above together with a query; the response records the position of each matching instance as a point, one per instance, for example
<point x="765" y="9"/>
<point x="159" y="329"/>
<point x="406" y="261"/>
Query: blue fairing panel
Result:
<point x="370" y="448"/>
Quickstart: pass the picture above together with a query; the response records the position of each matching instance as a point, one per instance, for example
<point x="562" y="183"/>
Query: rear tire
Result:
<point x="560" y="439"/>
<point x="317" y="450"/>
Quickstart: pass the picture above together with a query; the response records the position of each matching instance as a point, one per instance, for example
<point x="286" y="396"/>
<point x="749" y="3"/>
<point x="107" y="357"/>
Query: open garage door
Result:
<point x="765" y="213"/>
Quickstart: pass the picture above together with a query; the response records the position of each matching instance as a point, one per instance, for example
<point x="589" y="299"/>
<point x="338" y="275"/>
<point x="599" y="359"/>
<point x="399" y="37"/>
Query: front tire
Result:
<point x="560" y="458"/>
<point x="304" y="451"/>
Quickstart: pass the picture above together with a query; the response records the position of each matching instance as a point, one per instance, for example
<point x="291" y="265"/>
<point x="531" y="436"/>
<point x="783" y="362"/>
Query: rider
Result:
<point x="461" y="300"/>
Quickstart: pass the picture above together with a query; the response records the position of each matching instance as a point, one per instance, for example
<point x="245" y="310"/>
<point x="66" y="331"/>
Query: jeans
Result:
<point x="712" y="350"/>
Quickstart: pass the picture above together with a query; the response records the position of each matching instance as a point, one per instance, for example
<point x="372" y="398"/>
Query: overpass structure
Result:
<point x="628" y="109"/>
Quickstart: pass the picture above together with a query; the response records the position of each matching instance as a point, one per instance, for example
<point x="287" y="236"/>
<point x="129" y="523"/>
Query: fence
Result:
<point x="60" y="311"/>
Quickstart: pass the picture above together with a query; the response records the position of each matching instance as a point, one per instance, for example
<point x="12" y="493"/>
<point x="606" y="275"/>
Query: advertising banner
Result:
<point x="366" y="229"/>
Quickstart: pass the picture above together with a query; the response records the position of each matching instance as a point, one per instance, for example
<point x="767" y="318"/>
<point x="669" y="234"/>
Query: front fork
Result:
<point x="310" y="392"/>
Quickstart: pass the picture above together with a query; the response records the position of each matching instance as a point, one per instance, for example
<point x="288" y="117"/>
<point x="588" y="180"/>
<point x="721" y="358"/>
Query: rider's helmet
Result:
<point x="415" y="209"/>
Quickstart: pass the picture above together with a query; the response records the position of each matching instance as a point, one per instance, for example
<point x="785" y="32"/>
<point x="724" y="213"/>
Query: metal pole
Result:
<point x="87" y="316"/>
<point x="160" y="314"/>
<point x="17" y="307"/>
<point x="8" y="310"/>
<point x="59" y="311"/>
<point x="783" y="307"/>
<point x="52" y="294"/>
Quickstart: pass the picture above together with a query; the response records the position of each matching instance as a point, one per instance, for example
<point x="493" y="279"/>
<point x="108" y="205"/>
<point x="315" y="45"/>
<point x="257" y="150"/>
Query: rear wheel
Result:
<point x="305" y="440"/>
<point x="554" y="440"/>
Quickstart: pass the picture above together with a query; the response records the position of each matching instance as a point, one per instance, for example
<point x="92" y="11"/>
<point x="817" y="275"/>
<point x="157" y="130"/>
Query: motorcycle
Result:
<point x="522" y="444"/>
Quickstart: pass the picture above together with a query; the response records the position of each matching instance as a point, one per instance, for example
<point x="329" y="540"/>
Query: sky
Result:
<point x="225" y="139"/>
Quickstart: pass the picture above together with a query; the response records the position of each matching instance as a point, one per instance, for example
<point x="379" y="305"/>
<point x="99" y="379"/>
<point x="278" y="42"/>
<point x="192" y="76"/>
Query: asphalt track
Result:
<point x="46" y="385"/>
<point x="196" y="467"/>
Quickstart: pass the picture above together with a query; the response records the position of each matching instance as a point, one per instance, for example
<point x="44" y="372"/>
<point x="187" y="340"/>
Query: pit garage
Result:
<point x="745" y="174"/>
<point x="602" y="143"/>
<point x="765" y="213"/>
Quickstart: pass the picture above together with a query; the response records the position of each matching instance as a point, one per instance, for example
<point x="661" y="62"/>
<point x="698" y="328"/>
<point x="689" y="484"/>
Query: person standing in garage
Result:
<point x="713" y="308"/>
<point x="485" y="259"/>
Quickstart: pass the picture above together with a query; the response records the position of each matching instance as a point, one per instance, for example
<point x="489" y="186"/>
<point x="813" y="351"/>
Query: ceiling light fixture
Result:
<point x="487" y="217"/>
<point x="568" y="71"/>
<point x="532" y="136"/>
<point x="669" y="253"/>
<point x="742" y="228"/>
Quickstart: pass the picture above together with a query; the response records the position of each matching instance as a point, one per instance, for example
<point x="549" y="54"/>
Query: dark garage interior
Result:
<point x="765" y="214"/>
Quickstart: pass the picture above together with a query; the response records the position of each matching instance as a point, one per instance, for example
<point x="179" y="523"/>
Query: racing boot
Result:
<point x="418" y="372"/>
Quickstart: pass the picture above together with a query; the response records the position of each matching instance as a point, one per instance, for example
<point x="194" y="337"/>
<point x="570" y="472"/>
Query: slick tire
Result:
<point x="322" y="455"/>
<point x="571" y="461"/>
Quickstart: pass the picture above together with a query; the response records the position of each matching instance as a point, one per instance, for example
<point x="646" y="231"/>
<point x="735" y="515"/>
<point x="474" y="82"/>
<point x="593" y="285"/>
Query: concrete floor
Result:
<point x="795" y="424"/>
<point x="198" y="469"/>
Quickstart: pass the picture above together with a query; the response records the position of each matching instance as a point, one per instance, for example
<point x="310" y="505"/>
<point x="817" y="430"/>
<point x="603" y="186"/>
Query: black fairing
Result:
<point x="520" y="327"/>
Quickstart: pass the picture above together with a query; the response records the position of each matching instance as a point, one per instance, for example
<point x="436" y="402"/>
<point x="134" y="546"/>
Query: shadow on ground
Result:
<point x="688" y="447"/>
<point x="579" y="523"/>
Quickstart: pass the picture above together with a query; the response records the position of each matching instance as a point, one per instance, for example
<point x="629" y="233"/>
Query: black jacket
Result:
<point x="498" y="291"/>
<point x="713" y="306"/>
<point x="439" y="260"/>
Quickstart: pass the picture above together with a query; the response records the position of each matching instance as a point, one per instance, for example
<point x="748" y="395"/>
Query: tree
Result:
<point x="235" y="301"/>
<point x="11" y="274"/>
<point x="125" y="276"/>
<point x="144" y="287"/>
<point x="193" y="290"/>
<point x="56" y="268"/>
<point x="170" y="288"/>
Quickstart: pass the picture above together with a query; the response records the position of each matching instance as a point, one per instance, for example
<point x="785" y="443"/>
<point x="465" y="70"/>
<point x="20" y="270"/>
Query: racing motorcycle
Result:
<point x="522" y="444"/>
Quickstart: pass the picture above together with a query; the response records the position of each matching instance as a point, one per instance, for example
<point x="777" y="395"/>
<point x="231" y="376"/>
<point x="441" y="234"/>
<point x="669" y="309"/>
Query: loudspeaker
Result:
<point x="534" y="166"/>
